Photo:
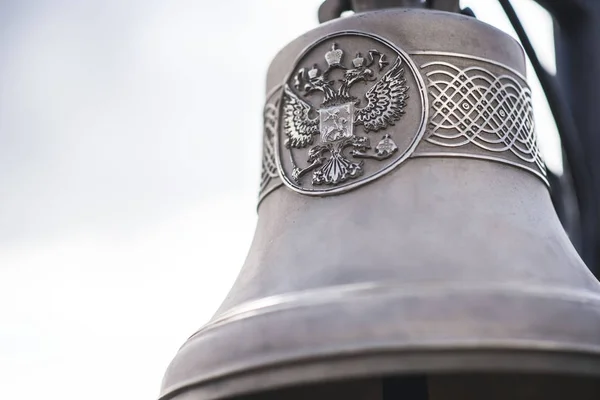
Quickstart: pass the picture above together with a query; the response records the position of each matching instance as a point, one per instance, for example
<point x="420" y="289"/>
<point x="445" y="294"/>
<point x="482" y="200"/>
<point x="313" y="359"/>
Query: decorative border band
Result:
<point x="480" y="111"/>
<point x="269" y="176"/>
<point x="478" y="108"/>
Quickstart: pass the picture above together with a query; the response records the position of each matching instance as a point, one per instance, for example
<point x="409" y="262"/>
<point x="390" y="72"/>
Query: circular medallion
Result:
<point x="352" y="109"/>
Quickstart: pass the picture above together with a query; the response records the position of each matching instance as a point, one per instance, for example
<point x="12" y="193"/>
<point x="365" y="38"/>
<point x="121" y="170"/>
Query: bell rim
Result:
<point x="384" y="363"/>
<point x="281" y="366"/>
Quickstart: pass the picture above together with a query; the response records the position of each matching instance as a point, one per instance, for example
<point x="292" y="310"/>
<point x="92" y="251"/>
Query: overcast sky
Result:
<point x="129" y="167"/>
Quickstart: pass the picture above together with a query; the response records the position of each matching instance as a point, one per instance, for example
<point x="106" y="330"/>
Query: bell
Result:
<point x="406" y="246"/>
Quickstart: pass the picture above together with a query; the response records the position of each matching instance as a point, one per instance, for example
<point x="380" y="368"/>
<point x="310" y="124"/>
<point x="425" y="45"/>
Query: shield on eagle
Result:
<point x="336" y="122"/>
<point x="345" y="122"/>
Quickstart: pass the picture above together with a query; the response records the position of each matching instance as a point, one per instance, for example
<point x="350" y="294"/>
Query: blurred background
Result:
<point x="122" y="226"/>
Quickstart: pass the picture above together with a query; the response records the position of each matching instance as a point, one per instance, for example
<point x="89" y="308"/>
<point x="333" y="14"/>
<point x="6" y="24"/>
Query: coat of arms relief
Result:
<point x="336" y="114"/>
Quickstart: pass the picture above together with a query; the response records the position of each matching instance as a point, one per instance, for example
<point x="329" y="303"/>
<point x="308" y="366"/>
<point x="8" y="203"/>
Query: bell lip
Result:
<point x="379" y="364"/>
<point x="279" y="365"/>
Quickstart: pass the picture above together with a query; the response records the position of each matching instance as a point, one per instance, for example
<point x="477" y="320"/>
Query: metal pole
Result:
<point x="577" y="40"/>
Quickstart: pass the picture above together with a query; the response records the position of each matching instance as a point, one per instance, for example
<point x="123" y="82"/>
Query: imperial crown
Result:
<point x="334" y="56"/>
<point x="358" y="61"/>
<point x="313" y="72"/>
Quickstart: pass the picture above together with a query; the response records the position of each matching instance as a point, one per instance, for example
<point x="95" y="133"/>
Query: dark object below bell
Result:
<point x="446" y="387"/>
<point x="406" y="243"/>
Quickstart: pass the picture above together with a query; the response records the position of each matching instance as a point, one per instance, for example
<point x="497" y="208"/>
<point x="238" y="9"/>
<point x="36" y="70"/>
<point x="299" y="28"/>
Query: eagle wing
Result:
<point x="298" y="126"/>
<point x="386" y="100"/>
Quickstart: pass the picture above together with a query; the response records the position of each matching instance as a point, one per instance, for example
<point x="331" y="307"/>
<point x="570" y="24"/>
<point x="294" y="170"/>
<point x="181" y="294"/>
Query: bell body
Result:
<point x="416" y="237"/>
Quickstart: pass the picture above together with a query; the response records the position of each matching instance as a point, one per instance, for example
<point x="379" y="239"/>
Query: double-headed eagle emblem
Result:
<point x="340" y="114"/>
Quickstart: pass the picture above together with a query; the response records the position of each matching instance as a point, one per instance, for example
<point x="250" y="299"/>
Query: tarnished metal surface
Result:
<point x="443" y="255"/>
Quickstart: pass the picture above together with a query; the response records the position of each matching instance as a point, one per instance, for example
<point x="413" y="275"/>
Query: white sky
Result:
<point x="129" y="169"/>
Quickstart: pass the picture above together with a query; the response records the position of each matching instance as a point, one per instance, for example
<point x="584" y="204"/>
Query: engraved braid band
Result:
<point x="478" y="109"/>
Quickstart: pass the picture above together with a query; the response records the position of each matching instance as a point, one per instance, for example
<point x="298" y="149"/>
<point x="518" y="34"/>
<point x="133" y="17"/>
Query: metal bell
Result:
<point x="406" y="239"/>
